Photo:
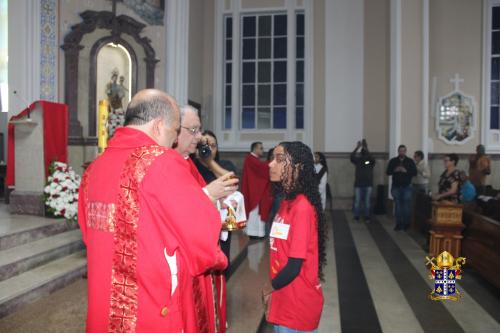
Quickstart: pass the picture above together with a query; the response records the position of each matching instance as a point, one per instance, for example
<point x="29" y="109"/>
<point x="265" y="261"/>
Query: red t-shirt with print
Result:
<point x="299" y="304"/>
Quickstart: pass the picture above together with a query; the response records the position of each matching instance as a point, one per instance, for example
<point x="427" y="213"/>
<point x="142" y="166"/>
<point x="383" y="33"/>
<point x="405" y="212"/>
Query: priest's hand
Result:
<point x="222" y="186"/>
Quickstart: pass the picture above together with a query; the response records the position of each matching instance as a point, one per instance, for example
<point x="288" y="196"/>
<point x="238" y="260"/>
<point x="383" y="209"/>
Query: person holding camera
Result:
<point x="210" y="167"/>
<point x="363" y="180"/>
<point x="208" y="159"/>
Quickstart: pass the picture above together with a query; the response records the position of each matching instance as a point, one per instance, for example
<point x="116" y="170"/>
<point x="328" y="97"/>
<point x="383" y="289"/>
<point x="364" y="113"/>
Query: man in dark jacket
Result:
<point x="402" y="169"/>
<point x="363" y="180"/>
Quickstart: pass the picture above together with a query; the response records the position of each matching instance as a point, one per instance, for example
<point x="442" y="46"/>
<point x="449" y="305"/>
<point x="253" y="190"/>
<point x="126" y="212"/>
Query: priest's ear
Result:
<point x="158" y="126"/>
<point x="157" y="129"/>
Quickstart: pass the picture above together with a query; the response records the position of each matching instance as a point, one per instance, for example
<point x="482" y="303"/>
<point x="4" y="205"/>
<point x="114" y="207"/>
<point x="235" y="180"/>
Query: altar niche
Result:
<point x="116" y="66"/>
<point x="82" y="47"/>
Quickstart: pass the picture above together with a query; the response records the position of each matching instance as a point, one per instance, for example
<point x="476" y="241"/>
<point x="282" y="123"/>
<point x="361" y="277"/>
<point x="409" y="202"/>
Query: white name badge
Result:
<point x="280" y="230"/>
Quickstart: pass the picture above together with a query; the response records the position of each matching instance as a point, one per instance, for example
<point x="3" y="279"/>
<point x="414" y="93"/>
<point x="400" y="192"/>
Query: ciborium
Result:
<point x="230" y="223"/>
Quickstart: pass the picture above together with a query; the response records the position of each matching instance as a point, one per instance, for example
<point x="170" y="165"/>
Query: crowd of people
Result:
<point x="150" y="212"/>
<point x="411" y="176"/>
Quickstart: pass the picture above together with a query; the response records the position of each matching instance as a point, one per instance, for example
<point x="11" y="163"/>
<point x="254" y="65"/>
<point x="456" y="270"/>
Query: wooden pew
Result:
<point x="481" y="245"/>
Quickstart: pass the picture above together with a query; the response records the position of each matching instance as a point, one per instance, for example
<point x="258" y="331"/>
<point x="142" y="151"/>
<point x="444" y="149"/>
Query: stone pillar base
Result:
<point x="29" y="203"/>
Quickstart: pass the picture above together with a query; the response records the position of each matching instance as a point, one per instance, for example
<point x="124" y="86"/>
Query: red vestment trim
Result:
<point x="201" y="308"/>
<point x="124" y="288"/>
<point x="101" y="216"/>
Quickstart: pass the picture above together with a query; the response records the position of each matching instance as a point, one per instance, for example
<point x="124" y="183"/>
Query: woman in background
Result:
<point x="212" y="166"/>
<point x="210" y="169"/>
<point x="449" y="182"/>
<point x="322" y="174"/>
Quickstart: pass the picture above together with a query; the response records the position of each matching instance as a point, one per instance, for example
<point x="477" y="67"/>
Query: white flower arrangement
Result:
<point x="61" y="191"/>
<point x="116" y="118"/>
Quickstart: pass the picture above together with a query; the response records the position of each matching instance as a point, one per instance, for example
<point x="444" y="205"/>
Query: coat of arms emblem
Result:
<point x="445" y="271"/>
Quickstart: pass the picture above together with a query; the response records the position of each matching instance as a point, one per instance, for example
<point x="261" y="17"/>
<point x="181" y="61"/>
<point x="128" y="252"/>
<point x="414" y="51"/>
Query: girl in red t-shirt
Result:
<point x="294" y="299"/>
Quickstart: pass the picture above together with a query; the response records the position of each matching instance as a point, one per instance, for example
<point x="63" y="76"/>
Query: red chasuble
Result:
<point x="256" y="186"/>
<point x="136" y="211"/>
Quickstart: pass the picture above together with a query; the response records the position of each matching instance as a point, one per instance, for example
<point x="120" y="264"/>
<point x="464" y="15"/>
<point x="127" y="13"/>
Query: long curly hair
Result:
<point x="299" y="177"/>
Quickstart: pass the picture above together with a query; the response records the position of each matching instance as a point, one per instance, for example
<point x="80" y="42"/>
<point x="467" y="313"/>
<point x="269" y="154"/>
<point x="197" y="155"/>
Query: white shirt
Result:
<point x="322" y="184"/>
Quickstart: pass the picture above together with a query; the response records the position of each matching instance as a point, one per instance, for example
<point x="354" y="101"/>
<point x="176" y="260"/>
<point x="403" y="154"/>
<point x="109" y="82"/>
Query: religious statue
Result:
<point x="115" y="91"/>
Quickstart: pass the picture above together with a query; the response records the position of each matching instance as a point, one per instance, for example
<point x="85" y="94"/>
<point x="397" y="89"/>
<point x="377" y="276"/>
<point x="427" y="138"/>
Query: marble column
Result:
<point x="177" y="49"/>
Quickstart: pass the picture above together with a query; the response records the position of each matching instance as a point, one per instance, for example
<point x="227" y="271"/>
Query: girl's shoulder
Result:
<point x="301" y="202"/>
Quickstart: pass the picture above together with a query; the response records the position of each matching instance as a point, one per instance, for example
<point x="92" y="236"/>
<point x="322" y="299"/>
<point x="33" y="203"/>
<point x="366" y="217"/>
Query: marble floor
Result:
<point x="375" y="281"/>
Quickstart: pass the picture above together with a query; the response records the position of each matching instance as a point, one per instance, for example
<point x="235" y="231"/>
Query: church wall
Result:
<point x="376" y="74"/>
<point x="411" y="73"/>
<point x="4" y="118"/>
<point x="196" y="50"/>
<point x="208" y="62"/>
<point x="456" y="47"/>
<point x="24" y="54"/>
<point x="319" y="109"/>
<point x="262" y="3"/>
<point x="344" y="56"/>
<point x="201" y="58"/>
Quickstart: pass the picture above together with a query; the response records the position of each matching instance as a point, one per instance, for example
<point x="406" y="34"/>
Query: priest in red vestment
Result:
<point x="187" y="142"/>
<point x="146" y="245"/>
<point x="256" y="189"/>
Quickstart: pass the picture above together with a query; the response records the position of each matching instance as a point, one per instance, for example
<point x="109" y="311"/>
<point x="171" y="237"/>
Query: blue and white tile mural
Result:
<point x="48" y="50"/>
<point x="150" y="11"/>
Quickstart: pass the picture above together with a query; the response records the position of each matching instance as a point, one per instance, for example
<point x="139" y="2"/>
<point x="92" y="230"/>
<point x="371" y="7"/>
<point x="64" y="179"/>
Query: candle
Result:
<point x="102" y="125"/>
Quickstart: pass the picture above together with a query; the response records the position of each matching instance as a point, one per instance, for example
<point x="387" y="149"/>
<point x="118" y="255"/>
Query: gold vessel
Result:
<point x="230" y="223"/>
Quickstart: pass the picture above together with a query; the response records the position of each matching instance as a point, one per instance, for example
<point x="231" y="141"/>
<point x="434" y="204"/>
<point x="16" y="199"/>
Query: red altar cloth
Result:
<point x="55" y="136"/>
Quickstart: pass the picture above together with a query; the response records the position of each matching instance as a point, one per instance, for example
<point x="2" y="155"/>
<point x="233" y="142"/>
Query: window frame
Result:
<point x="236" y="138"/>
<point x="489" y="137"/>
<point x="272" y="60"/>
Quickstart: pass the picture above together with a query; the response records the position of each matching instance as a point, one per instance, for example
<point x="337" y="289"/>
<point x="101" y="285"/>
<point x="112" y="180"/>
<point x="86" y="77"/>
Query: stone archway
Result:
<point x="117" y="26"/>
